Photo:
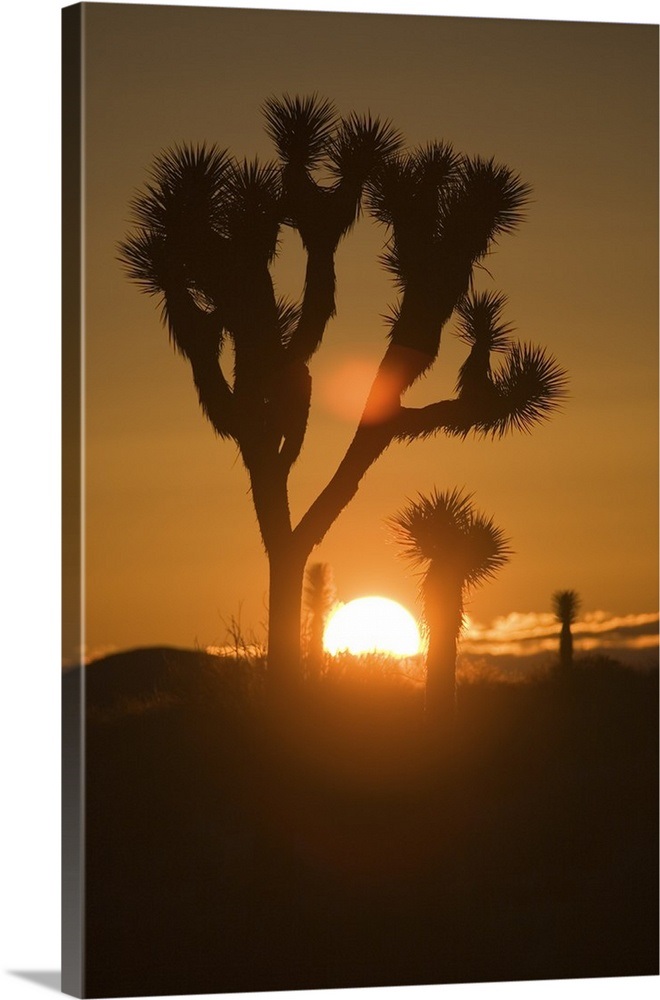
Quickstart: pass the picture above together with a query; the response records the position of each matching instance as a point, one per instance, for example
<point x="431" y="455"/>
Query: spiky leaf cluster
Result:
<point x="488" y="201"/>
<point x="312" y="139"/>
<point x="319" y="593"/>
<point x="480" y="322"/>
<point x="529" y="387"/>
<point x="406" y="194"/>
<point x="360" y="145"/>
<point x="252" y="210"/>
<point x="445" y="530"/>
<point x="147" y="262"/>
<point x="186" y="191"/>
<point x="565" y="605"/>
<point x="197" y="218"/>
<point x="301" y="128"/>
<point x="442" y="207"/>
<point x="178" y="219"/>
<point x="526" y="389"/>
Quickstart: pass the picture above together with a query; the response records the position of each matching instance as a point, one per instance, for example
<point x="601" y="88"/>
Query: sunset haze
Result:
<point x="172" y="545"/>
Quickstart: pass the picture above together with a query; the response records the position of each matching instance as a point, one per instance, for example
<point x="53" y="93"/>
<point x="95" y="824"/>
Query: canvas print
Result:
<point x="360" y="500"/>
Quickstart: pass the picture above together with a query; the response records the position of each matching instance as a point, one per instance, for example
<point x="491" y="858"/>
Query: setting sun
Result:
<point x="372" y="624"/>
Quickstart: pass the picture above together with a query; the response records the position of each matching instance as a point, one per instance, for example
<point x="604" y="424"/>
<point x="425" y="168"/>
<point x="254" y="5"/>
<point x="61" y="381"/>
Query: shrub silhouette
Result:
<point x="458" y="549"/>
<point x="207" y="230"/>
<point x="319" y="597"/>
<point x="565" y="604"/>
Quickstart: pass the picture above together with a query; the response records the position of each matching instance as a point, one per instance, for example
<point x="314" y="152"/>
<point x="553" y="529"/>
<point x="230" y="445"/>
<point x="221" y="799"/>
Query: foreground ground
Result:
<point x="223" y="856"/>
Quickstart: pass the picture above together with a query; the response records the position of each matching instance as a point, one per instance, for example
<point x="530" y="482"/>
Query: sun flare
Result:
<point x="372" y="624"/>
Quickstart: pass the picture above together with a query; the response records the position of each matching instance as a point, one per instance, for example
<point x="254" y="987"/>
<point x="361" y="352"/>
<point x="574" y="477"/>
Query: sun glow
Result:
<point x="372" y="624"/>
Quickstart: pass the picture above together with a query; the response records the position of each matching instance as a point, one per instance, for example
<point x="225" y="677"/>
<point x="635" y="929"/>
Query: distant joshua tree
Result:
<point x="457" y="549"/>
<point x="319" y="598"/>
<point x="207" y="231"/>
<point x="565" y="604"/>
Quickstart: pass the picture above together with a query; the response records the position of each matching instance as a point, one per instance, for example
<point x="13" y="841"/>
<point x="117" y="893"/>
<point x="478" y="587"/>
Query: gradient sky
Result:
<point x="172" y="547"/>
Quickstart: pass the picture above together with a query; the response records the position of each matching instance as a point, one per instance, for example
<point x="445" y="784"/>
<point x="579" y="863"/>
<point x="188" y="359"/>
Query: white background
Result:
<point x="29" y="496"/>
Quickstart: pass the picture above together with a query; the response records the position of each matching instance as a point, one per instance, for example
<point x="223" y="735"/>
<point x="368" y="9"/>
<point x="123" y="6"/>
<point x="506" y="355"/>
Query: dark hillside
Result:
<point x="222" y="857"/>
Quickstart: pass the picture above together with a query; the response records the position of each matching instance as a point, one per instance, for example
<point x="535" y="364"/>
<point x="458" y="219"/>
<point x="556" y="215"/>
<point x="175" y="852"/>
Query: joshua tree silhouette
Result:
<point x="318" y="598"/>
<point x="565" y="604"/>
<point x="206" y="233"/>
<point x="457" y="548"/>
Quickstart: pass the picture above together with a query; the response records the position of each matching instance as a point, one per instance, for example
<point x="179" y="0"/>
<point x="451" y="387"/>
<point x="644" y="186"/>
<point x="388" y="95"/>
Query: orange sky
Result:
<point x="172" y="542"/>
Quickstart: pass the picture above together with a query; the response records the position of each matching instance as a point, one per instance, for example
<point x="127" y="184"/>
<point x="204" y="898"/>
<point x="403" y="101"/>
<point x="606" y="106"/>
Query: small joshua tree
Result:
<point x="207" y="231"/>
<point x="457" y="548"/>
<point x="565" y="604"/>
<point x="319" y="598"/>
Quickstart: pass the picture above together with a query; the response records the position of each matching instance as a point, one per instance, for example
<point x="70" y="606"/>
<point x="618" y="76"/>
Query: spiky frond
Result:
<point x="150" y="263"/>
<point x="480" y="321"/>
<point x="529" y="387"/>
<point x="158" y="267"/>
<point x="565" y="605"/>
<point x="425" y="525"/>
<point x="185" y="192"/>
<point x="252" y="210"/>
<point x="392" y="315"/>
<point x="411" y="182"/>
<point x="145" y="260"/>
<point x="179" y="215"/>
<point x="319" y="593"/>
<point x="300" y="127"/>
<point x="395" y="264"/>
<point x="254" y="183"/>
<point x="435" y="164"/>
<point x="488" y="200"/>
<point x="361" y="145"/>
<point x="487" y="550"/>
<point x="391" y="191"/>
<point x="445" y="530"/>
<point x="407" y="195"/>
<point x="434" y="168"/>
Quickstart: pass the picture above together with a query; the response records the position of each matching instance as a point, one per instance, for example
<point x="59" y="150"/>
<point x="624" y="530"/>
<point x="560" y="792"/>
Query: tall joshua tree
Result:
<point x="457" y="548"/>
<point x="207" y="230"/>
<point x="319" y="598"/>
<point x="565" y="604"/>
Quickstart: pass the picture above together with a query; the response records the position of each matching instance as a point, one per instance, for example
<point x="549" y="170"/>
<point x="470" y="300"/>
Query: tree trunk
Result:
<point x="286" y="560"/>
<point x="287" y="568"/>
<point x="443" y="606"/>
<point x="566" y="647"/>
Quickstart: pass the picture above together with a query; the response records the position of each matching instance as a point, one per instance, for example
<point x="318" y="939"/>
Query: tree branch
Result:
<point x="378" y="426"/>
<point x="291" y="399"/>
<point x="215" y="396"/>
<point x="367" y="445"/>
<point x="268" y="483"/>
<point x="198" y="335"/>
<point x="420" y="422"/>
<point x="318" y="305"/>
